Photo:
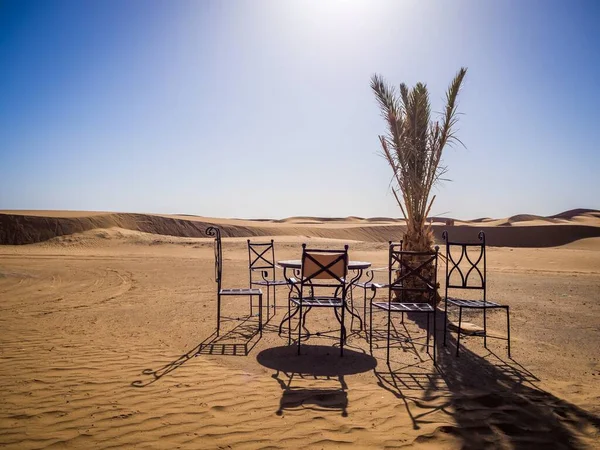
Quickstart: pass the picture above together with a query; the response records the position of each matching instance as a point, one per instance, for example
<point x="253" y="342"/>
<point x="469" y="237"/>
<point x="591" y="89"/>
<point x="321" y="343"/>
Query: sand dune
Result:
<point x="530" y="217"/>
<point x="585" y="244"/>
<point x="27" y="227"/>
<point x="572" y="213"/>
<point x="531" y="235"/>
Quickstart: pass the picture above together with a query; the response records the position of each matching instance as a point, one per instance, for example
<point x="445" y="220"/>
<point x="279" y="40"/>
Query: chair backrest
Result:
<point x="216" y="233"/>
<point x="261" y="256"/>
<point x="412" y="275"/>
<point x="324" y="268"/>
<point x="465" y="264"/>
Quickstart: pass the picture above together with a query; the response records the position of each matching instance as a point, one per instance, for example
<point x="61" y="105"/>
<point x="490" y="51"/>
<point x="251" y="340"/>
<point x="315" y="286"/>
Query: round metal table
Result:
<point x="295" y="265"/>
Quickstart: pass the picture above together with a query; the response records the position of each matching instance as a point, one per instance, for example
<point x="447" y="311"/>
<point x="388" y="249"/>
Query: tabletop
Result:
<point x="297" y="264"/>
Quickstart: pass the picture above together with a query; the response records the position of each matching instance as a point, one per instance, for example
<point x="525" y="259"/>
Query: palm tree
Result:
<point x="413" y="147"/>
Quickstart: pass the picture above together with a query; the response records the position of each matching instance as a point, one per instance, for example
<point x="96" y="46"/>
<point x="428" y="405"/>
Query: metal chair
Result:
<point x="410" y="274"/>
<point x="371" y="284"/>
<point x="321" y="269"/>
<point x="456" y="278"/>
<point x="216" y="233"/>
<point x="261" y="257"/>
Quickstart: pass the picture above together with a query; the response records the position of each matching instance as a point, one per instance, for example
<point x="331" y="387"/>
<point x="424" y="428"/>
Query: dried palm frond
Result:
<point x="413" y="147"/>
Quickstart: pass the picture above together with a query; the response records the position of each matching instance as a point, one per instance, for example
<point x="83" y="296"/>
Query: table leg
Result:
<point x="288" y="317"/>
<point x="351" y="286"/>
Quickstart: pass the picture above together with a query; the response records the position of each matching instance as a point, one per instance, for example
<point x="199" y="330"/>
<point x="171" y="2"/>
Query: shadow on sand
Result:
<point x="493" y="400"/>
<point x="314" y="369"/>
<point x="238" y="341"/>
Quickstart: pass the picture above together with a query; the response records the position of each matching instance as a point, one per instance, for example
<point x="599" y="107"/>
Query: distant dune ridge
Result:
<point x="522" y="230"/>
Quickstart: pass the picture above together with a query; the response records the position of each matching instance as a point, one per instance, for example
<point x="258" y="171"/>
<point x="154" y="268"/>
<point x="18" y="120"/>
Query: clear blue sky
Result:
<point x="263" y="108"/>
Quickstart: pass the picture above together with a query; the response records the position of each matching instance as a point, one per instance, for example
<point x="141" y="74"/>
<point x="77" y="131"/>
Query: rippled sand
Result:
<point x="107" y="341"/>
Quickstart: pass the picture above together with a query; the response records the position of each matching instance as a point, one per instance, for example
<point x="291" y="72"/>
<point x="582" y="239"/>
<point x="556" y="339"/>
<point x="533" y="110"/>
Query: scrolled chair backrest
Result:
<point x="468" y="269"/>
<point x="216" y="233"/>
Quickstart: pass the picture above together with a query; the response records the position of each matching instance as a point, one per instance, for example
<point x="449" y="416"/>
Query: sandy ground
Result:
<point x="107" y="340"/>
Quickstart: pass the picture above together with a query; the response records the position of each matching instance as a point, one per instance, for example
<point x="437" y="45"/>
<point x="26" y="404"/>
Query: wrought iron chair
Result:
<point x="216" y="233"/>
<point x="372" y="285"/>
<point x="321" y="269"/>
<point x="410" y="274"/>
<point x="261" y="258"/>
<point x="469" y="281"/>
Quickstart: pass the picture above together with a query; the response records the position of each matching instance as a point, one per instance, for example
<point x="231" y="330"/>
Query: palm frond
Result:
<point x="413" y="147"/>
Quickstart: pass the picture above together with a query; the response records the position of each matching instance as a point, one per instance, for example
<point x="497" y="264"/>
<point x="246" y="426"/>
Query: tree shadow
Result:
<point x="238" y="341"/>
<point x="315" y="367"/>
<point x="494" y="401"/>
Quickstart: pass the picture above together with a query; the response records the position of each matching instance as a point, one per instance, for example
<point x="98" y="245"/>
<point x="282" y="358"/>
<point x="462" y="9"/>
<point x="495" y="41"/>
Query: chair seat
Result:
<point x="404" y="307"/>
<point x="271" y="282"/>
<point x="318" y="301"/>
<point x="369" y="284"/>
<point x="245" y="291"/>
<point x="473" y="303"/>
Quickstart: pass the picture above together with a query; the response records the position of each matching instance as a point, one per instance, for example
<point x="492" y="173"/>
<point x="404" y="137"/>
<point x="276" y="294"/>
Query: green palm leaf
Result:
<point x="413" y="147"/>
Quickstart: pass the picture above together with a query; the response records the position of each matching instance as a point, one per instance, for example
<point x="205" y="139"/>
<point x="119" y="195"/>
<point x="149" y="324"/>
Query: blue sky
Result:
<point x="263" y="108"/>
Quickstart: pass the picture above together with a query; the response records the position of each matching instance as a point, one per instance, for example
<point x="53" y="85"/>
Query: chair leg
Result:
<point x="274" y="299"/>
<point x="508" y="328"/>
<point x="251" y="301"/>
<point x="343" y="333"/>
<point x="268" y="300"/>
<point x="269" y="312"/>
<point x="368" y="332"/>
<point x="428" y="333"/>
<point x="299" y="328"/>
<point x="218" y="313"/>
<point x="351" y="306"/>
<point x="459" y="329"/>
<point x="388" y="335"/>
<point x="365" y="308"/>
<point x="260" y="327"/>
<point x="445" y="319"/>
<point x="434" y="335"/>
<point x="484" y="327"/>
<point x="371" y="326"/>
<point x="289" y="322"/>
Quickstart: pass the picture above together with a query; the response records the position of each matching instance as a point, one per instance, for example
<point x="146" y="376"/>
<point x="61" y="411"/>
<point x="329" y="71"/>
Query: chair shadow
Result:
<point x="246" y="332"/>
<point x="319" y="364"/>
<point x="403" y="383"/>
<point x="401" y="338"/>
<point x="245" y="336"/>
<point x="314" y="399"/>
<point x="494" y="401"/>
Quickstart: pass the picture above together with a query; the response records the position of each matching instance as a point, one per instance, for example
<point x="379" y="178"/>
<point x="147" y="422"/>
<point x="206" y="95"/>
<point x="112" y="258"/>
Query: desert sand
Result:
<point x="107" y="340"/>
